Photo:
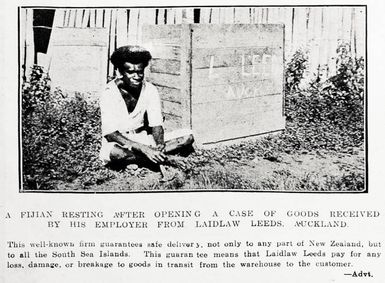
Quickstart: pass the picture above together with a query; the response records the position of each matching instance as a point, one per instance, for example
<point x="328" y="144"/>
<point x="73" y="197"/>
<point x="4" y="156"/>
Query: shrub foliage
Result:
<point x="60" y="136"/>
<point x="329" y="115"/>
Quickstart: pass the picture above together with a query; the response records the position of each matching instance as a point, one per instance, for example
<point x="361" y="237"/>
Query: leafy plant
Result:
<point x="350" y="74"/>
<point x="295" y="69"/>
<point x="35" y="91"/>
<point x="60" y="136"/>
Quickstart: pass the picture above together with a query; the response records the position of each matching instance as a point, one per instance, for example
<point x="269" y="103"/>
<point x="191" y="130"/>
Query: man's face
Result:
<point x="133" y="74"/>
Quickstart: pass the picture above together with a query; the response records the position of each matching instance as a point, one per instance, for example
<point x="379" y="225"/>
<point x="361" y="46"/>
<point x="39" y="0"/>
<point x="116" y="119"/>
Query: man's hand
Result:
<point x="160" y="147"/>
<point x="154" y="155"/>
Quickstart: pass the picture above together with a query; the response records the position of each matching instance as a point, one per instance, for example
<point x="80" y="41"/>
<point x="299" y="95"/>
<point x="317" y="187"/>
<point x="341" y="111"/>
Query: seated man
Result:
<point x="131" y="114"/>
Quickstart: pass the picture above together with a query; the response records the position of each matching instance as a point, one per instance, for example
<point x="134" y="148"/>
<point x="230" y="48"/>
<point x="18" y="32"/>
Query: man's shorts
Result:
<point x="142" y="138"/>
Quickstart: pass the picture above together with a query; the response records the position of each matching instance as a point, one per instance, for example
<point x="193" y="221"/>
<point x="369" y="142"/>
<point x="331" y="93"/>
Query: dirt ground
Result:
<point x="304" y="171"/>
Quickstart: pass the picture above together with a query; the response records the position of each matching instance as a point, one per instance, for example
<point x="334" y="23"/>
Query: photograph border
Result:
<point x="19" y="100"/>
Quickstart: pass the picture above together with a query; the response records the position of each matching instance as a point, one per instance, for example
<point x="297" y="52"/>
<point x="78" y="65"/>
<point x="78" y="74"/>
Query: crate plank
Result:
<point x="165" y="80"/>
<point x="165" y="66"/>
<point x="163" y="34"/>
<point x="245" y="128"/>
<point x="238" y="107"/>
<point x="161" y="51"/>
<point x="172" y="108"/>
<point x="230" y="75"/>
<point x="236" y="35"/>
<point x="186" y="75"/>
<point x="172" y="122"/>
<point x="79" y="37"/>
<point x="225" y="57"/>
<point x="169" y="93"/>
<point x="216" y="93"/>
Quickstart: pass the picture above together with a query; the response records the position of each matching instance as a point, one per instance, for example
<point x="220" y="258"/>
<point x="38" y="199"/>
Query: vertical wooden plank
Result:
<point x="347" y="24"/>
<point x="293" y="10"/>
<point x="92" y="18"/>
<point x="309" y="43"/>
<point x="323" y="44"/>
<point x="315" y="47"/>
<point x="288" y="14"/>
<point x="215" y="16"/>
<point x="161" y="14"/>
<point x="107" y="16"/>
<point x="299" y="28"/>
<point x="188" y="16"/>
<point x="121" y="27"/>
<point x="185" y="76"/>
<point x="256" y="15"/>
<point x="269" y="15"/>
<point x="360" y="31"/>
<point x="133" y="26"/>
<point x="273" y="18"/>
<point x="99" y="18"/>
<point x="253" y="16"/>
<point x="112" y="40"/>
<point x="353" y="37"/>
<point x="340" y="24"/>
<point x="178" y="16"/>
<point x="205" y="15"/>
<point x="22" y="42"/>
<point x="170" y="16"/>
<point x="86" y="18"/>
<point x="242" y="15"/>
<point x="58" y="20"/>
<point x="228" y="15"/>
<point x="66" y="18"/>
<point x="261" y="15"/>
<point x="333" y="21"/>
<point x="30" y="49"/>
<point x="107" y="25"/>
<point x="78" y="18"/>
<point x="72" y="18"/>
<point x="145" y="16"/>
<point x="279" y="18"/>
<point x="308" y="25"/>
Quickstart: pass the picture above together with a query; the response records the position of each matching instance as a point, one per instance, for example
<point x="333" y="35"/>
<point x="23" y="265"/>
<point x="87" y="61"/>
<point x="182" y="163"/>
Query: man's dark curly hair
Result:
<point x="133" y="54"/>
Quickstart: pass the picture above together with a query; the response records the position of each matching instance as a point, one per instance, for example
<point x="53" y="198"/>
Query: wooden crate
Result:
<point x="79" y="59"/>
<point x="222" y="81"/>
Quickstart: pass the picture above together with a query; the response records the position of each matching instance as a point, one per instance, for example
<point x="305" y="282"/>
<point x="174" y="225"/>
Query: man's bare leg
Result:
<point x="121" y="157"/>
<point x="178" y="143"/>
<point x="119" y="154"/>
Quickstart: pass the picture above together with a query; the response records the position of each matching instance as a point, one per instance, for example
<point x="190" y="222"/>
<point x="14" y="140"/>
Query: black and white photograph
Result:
<point x="192" y="99"/>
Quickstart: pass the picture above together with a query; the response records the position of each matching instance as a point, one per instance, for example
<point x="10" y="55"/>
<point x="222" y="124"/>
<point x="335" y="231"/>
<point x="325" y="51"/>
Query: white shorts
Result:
<point x="142" y="138"/>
